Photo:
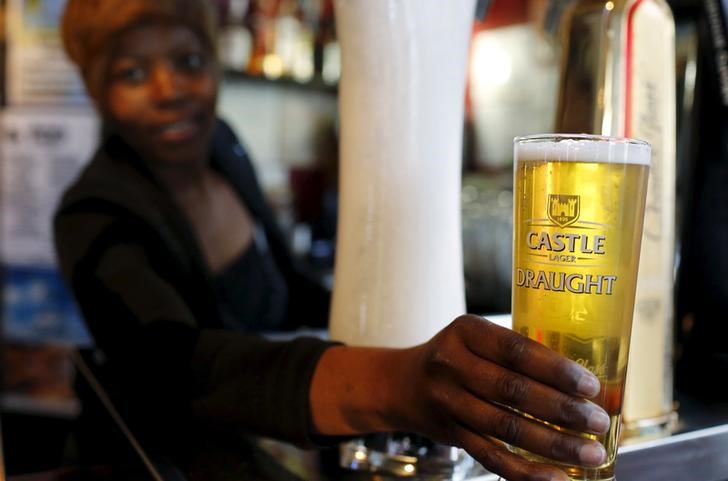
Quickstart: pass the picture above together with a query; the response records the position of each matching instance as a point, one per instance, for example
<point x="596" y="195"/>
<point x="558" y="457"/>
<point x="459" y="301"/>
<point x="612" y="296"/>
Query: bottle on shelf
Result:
<point x="261" y="20"/>
<point x="618" y="79"/>
<point x="235" y="40"/>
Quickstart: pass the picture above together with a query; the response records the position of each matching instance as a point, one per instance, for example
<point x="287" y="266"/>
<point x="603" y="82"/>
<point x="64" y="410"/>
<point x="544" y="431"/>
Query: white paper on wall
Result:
<point x="41" y="152"/>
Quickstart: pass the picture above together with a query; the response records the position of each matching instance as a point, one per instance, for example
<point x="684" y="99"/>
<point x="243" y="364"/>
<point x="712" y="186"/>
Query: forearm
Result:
<point x="358" y="390"/>
<point x="255" y="385"/>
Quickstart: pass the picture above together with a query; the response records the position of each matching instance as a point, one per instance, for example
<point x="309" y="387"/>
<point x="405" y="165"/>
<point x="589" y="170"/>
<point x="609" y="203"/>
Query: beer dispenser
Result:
<point x="399" y="269"/>
<point x="618" y="78"/>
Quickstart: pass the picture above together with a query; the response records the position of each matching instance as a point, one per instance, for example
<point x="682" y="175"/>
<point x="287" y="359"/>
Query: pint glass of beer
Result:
<point x="578" y="212"/>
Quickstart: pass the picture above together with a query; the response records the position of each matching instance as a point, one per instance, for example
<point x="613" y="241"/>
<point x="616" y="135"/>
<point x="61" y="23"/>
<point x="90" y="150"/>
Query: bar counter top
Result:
<point x="697" y="451"/>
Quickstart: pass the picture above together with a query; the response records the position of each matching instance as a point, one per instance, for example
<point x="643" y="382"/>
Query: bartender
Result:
<point x="176" y="263"/>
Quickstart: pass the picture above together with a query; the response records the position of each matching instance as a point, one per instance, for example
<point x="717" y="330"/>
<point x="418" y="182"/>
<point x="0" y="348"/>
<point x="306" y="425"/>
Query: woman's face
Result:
<point x="161" y="92"/>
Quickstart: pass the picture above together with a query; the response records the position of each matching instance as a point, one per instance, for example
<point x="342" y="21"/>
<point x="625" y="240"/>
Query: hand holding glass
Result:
<point x="579" y="207"/>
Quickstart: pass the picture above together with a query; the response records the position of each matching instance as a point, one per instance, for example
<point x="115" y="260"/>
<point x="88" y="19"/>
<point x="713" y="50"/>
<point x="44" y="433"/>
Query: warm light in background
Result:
<point x="272" y="66"/>
<point x="492" y="64"/>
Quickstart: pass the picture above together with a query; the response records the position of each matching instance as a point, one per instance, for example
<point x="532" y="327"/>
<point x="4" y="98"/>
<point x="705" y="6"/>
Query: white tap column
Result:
<point x="399" y="273"/>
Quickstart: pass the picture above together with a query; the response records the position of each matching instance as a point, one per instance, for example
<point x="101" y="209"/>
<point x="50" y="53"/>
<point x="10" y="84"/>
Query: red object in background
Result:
<point x="504" y="12"/>
<point x="307" y="185"/>
<point x="500" y="13"/>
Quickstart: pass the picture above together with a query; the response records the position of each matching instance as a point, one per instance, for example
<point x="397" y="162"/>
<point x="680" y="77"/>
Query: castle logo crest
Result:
<point x="563" y="210"/>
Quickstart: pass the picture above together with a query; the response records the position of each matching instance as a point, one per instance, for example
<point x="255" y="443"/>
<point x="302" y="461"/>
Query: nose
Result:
<point x="165" y="83"/>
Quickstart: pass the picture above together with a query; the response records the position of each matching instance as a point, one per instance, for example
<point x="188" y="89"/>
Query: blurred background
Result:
<point x="281" y="66"/>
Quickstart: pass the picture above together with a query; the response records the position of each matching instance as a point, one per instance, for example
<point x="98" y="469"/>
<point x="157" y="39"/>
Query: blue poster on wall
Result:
<point x="37" y="308"/>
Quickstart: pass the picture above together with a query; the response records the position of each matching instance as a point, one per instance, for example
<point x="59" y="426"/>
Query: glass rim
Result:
<point x="555" y="137"/>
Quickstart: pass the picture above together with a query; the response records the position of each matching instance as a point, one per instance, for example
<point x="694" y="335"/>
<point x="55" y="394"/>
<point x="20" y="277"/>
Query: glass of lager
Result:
<point x="578" y="212"/>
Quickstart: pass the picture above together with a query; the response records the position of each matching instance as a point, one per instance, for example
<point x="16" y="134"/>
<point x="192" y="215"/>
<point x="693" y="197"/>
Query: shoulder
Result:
<point x="114" y="175"/>
<point x="111" y="195"/>
<point x="228" y="151"/>
<point x="114" y="187"/>
<point x="224" y="133"/>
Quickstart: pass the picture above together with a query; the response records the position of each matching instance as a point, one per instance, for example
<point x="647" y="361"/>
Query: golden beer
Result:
<point x="578" y="213"/>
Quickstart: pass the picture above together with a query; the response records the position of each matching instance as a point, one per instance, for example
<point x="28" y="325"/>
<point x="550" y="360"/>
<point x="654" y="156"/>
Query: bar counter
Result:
<point x="698" y="451"/>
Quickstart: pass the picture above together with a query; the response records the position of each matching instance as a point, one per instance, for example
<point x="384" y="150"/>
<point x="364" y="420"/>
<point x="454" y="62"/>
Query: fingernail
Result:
<point x="558" y="476"/>
<point x="598" y="421"/>
<point x="592" y="454"/>
<point x="588" y="385"/>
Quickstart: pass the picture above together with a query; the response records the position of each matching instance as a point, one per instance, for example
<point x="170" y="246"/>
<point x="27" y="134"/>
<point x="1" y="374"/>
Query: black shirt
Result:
<point x="251" y="291"/>
<point x="170" y="364"/>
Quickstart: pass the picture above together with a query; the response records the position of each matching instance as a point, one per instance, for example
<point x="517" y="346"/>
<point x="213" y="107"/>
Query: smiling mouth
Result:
<point x="178" y="131"/>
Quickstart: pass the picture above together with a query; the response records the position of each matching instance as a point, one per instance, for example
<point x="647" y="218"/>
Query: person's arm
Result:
<point x="453" y="389"/>
<point x="447" y="389"/>
<point x="168" y="367"/>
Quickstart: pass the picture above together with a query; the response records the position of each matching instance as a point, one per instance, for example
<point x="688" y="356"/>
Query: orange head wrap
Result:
<point x="89" y="28"/>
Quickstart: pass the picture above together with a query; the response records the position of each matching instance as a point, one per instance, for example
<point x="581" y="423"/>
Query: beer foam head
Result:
<point x="582" y="148"/>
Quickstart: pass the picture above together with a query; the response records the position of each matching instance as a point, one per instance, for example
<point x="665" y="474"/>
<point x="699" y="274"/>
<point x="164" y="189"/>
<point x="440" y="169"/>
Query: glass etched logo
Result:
<point x="563" y="210"/>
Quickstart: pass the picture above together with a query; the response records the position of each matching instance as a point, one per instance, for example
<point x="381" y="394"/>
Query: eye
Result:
<point x="132" y="74"/>
<point x="190" y="62"/>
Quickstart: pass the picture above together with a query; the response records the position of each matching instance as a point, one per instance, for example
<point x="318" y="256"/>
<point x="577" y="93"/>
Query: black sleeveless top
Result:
<point x="251" y="291"/>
